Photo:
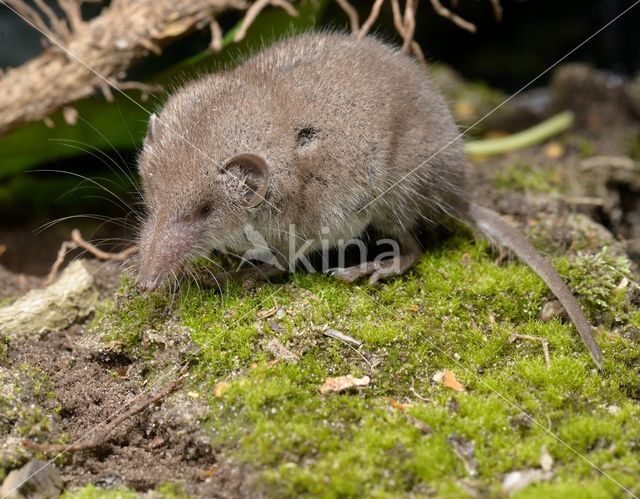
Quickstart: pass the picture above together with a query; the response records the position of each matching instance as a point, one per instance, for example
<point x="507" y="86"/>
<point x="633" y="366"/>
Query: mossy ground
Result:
<point x="457" y="310"/>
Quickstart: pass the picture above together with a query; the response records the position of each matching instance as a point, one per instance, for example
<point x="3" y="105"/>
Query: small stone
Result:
<point x="422" y="427"/>
<point x="280" y="352"/>
<point x="551" y="310"/>
<point x="453" y="406"/>
<point x="464" y="449"/>
<point x="518" y="480"/>
<point x="613" y="409"/>
<point x="546" y="460"/>
<point x="35" y="480"/>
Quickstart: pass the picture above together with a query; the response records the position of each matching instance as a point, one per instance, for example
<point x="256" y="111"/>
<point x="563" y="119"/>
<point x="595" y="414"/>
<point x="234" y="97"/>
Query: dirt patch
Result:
<point x="164" y="443"/>
<point x="88" y="383"/>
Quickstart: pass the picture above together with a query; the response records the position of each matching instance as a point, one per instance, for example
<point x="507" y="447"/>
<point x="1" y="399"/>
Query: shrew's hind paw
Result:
<point x="351" y="274"/>
<point x="376" y="271"/>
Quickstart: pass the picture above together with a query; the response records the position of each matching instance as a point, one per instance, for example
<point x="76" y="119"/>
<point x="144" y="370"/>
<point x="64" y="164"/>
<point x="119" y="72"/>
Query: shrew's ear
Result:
<point x="255" y="174"/>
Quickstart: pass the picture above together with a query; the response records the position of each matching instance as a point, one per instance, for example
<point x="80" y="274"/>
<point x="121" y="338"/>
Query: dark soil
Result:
<point x="163" y="443"/>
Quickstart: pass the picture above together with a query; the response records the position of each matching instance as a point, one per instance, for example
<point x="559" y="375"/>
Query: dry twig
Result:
<point x="30" y="14"/>
<point x="350" y="342"/>
<point x="454" y="18"/>
<point x="373" y="16"/>
<point x="255" y="9"/>
<point x="413" y="390"/>
<point x="148" y="88"/>
<point x="342" y="337"/>
<point x="216" y="36"/>
<point x="409" y="25"/>
<point x="497" y="9"/>
<point x="101" y="437"/>
<point x="352" y="14"/>
<point x="77" y="241"/>
<point x="544" y="341"/>
<point x="58" y="26"/>
<point x="88" y="55"/>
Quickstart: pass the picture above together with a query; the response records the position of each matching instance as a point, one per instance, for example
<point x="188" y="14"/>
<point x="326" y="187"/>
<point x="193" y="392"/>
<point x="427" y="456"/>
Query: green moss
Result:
<point x="24" y="412"/>
<point x="6" y="300"/>
<point x="123" y="320"/>
<point x="524" y="177"/>
<point x="4" y="348"/>
<point x="633" y="146"/>
<point x="586" y="148"/>
<point x="455" y="310"/>
<point x="93" y="492"/>
<point x="169" y="490"/>
<point x="596" y="277"/>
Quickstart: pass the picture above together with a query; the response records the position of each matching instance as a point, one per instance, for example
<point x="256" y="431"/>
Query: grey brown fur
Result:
<point x="337" y="126"/>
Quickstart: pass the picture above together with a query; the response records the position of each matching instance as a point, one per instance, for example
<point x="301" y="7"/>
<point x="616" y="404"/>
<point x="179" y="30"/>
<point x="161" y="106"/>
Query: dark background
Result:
<point x="533" y="35"/>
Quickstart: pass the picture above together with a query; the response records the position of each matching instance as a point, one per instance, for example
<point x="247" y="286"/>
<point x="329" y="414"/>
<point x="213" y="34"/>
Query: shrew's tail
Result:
<point x="494" y="227"/>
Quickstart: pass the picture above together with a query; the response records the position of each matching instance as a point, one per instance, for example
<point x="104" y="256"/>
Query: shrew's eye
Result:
<point x="203" y="211"/>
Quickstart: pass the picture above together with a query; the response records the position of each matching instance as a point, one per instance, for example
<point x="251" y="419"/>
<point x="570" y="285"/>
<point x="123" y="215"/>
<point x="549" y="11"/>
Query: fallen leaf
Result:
<point x="220" y="389"/>
<point x="343" y="383"/>
<point x="3" y="248"/>
<point x="398" y="405"/>
<point x="265" y="314"/>
<point x="554" y="150"/>
<point x="464" y="110"/>
<point x="209" y="472"/>
<point x="448" y="379"/>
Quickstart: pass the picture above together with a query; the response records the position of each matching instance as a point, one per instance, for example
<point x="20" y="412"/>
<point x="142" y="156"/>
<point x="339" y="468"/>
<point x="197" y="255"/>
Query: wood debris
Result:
<point x="343" y="383"/>
<point x="280" y="352"/>
<point x="543" y="341"/>
<point x="70" y="298"/>
<point x="83" y="56"/>
<point x="77" y="241"/>
<point x="342" y="337"/>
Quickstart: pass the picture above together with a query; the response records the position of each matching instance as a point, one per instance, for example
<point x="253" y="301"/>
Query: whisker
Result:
<point x="88" y="179"/>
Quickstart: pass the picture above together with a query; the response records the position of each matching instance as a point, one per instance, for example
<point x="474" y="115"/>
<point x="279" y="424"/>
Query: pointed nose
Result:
<point x="148" y="284"/>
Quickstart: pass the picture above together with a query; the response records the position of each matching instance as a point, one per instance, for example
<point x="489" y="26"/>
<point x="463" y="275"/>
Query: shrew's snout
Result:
<point x="147" y="285"/>
<point x="164" y="249"/>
